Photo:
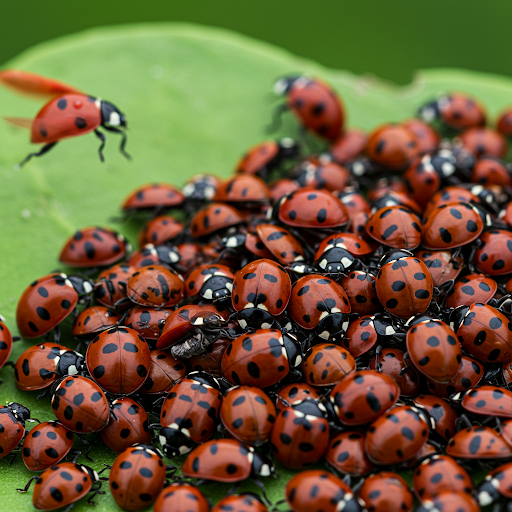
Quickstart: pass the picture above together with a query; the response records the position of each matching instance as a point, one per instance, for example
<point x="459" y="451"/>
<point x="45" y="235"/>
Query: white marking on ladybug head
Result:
<point x="297" y="361"/>
<point x="163" y="440"/>
<point x="264" y="325"/>
<point x="72" y="370"/>
<point x="323" y="264"/>
<point x="324" y="335"/>
<point x="188" y="189"/>
<point x="323" y="315"/>
<point x="484" y="498"/>
<point x="299" y="258"/>
<point x="287" y="142"/>
<point x="265" y="470"/>
<point x="114" y="119"/>
<point x="280" y="86"/>
<point x="447" y="168"/>
<point x="242" y="323"/>
<point x="346" y="262"/>
<point x="389" y="330"/>
<point x="88" y="288"/>
<point x="263" y="307"/>
<point x="335" y="310"/>
<point x="208" y="294"/>
<point x="250" y="457"/>
<point x="358" y="169"/>
<point x="67" y="282"/>
<point x="229" y="286"/>
<point x="184" y="449"/>
<point x="231" y="242"/>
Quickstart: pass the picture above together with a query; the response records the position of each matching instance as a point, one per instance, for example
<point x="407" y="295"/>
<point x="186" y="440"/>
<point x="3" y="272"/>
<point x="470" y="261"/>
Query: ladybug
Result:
<point x="363" y="396"/>
<point x="6" y="341"/>
<point x="483" y="141"/>
<point x="483" y="331"/>
<point x="110" y="286"/>
<point x="247" y="502"/>
<point x="62" y="485"/>
<point x="491" y="171"/>
<point x="248" y="414"/>
<point x="442" y="414"/>
<point x="40" y="365"/>
<point x="282" y="187"/>
<point x="226" y="460"/>
<point x="487" y="400"/>
<point x="471" y="288"/>
<point x="181" y="497"/>
<point x="210" y="360"/>
<point x="190" y="413"/>
<point x="361" y="336"/>
<point x="160" y="230"/>
<point x="395" y="226"/>
<point x="300" y="435"/>
<point x="456" y="111"/>
<point x="317" y="107"/>
<point x="403" y="284"/>
<point x="80" y="405"/>
<point x="427" y="137"/>
<point x="386" y="491"/>
<point x="213" y="217"/>
<point x="433" y="348"/>
<point x="450" y="501"/>
<point x="320" y="171"/>
<point x="348" y="146"/>
<point x="444" y="267"/>
<point x="45" y="303"/>
<point x="266" y="156"/>
<point x="326" y="364"/>
<point x="260" y="358"/>
<point x="150" y="254"/>
<point x="137" y="476"/>
<point x="69" y="113"/>
<point x="495" y="485"/>
<point x="470" y="374"/>
<point x="492" y="254"/>
<point x="295" y="392"/>
<point x="438" y="474"/>
<point x="148" y="322"/>
<point x="155" y="286"/>
<point x="390" y="361"/>
<point x="201" y="187"/>
<point x="450" y="226"/>
<point x="311" y="208"/>
<point x="153" y="196"/>
<point x="346" y="454"/>
<point x="478" y="442"/>
<point x="320" y="304"/>
<point x="262" y="285"/>
<point x="360" y="292"/>
<point x="13" y="417"/>
<point x="315" y="490"/>
<point x="164" y="372"/>
<point x="392" y="146"/>
<point x="118" y="360"/>
<point x="281" y="243"/>
<point x="243" y="189"/>
<point x="94" y="247"/>
<point x="128" y="425"/>
<point x="46" y="445"/>
<point x="93" y="320"/>
<point x="195" y="284"/>
<point x="397" y="435"/>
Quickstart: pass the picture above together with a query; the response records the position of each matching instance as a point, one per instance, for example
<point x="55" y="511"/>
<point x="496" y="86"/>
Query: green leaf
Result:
<point x="195" y="98"/>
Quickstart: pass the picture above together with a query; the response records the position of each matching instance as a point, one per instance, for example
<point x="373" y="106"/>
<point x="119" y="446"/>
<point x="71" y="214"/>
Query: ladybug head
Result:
<point x="174" y="442"/>
<point x="255" y="318"/>
<point x="70" y="363"/>
<point x="332" y="327"/>
<point x="486" y="492"/>
<point x="293" y="349"/>
<point x="457" y="317"/>
<point x="284" y="84"/>
<point x="394" y="255"/>
<point x="261" y="465"/>
<point x="288" y="147"/>
<point x="89" y="472"/>
<point x="82" y="285"/>
<point x="111" y="115"/>
<point x="20" y="411"/>
<point x="420" y="318"/>
<point x="429" y="112"/>
<point x="204" y="378"/>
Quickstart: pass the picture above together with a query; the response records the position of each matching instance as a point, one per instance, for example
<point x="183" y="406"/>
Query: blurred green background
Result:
<point x="387" y="39"/>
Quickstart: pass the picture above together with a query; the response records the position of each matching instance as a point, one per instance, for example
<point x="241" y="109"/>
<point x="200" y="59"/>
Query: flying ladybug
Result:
<point x="68" y="113"/>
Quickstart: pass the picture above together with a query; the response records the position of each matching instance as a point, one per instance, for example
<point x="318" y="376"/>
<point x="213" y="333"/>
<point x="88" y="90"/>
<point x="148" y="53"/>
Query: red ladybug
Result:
<point x="44" y="304"/>
<point x="93" y="320"/>
<point x="248" y="414"/>
<point x="266" y="156"/>
<point x="396" y="436"/>
<point x="247" y="502"/>
<point x="322" y="172"/>
<point x="314" y="103"/>
<point x="260" y="358"/>
<point x="450" y="501"/>
<point x="442" y="265"/>
<point x="488" y="401"/>
<point x="46" y="445"/>
<point x="110" y="286"/>
<point x="321" y="304"/>
<point x="326" y="364"/>
<point x="347" y="455"/>
<point x="300" y="435"/>
<point x="403" y="285"/>
<point x="226" y="460"/>
<point x="68" y="114"/>
<point x="456" y="111"/>
<point x="154" y="255"/>
<point x="496" y="485"/>
<point x="62" y="485"/>
<point x="360" y="292"/>
<point x="153" y="196"/>
<point x="128" y="425"/>
<point x="243" y="189"/>
<point x="320" y="490"/>
<point x="214" y="217"/>
<point x="80" y="405"/>
<point x="478" y="442"/>
<point x="118" y="360"/>
<point x="190" y="413"/>
<point x="483" y="141"/>
<point x="433" y="348"/>
<point x="281" y="243"/>
<point x="12" y="419"/>
<point x="137" y="476"/>
<point x="295" y="392"/>
<point x="164" y="372"/>
<point x="349" y="146"/>
<point x="493" y="256"/>
<point x="361" y="336"/>
<point x="428" y="138"/>
<point x="160" y="230"/>
<point x="181" y="497"/>
<point x="386" y="491"/>
<point x="438" y="474"/>
<point x="471" y="288"/>
<point x="148" y="322"/>
<point x="442" y="414"/>
<point x="5" y="342"/>
<point x="362" y="396"/>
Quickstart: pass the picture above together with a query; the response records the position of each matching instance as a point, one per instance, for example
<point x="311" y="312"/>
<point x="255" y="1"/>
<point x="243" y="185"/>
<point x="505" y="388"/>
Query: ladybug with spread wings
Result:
<point x="68" y="113"/>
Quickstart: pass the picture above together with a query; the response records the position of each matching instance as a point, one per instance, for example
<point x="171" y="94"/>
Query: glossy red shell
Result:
<point x="213" y="217"/>
<point x="441" y="412"/>
<point x="155" y="286"/>
<point x="12" y="431"/>
<point x="488" y="401"/>
<point x="281" y="243"/>
<point x="493" y="256"/>
<point x="326" y="364"/>
<point x="181" y="497"/>
<point x="95" y="319"/>
<point x="243" y="188"/>
<point x="386" y="491"/>
<point x="160" y="230"/>
<point x="349" y="146"/>
<point x="148" y="322"/>
<point x="110" y="286"/>
<point x="347" y="455"/>
<point x="358" y="286"/>
<point x="361" y="336"/>
<point x="395" y="226"/>
<point x="442" y="265"/>
<point x="471" y="288"/>
<point x="164" y="372"/>
<point x="478" y="442"/>
<point x="152" y="196"/>
<point x="482" y="141"/>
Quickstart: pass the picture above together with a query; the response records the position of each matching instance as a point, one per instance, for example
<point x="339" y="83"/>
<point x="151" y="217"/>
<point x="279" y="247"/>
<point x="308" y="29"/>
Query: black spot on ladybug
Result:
<point x="498" y="265"/>
<point x="391" y="303"/>
<point x="247" y="344"/>
<point x="455" y="213"/>
<point x="446" y="237"/>
<point x="25" y="367"/>
<point x="303" y="290"/>
<point x="56" y="494"/>
<point x="42" y="313"/>
<point x="142" y="371"/>
<point x="422" y="294"/>
<point x="471" y="226"/>
<point x="270" y="278"/>
<point x="78" y="399"/>
<point x="99" y="371"/>
<point x="474" y="445"/>
<point x="292" y="214"/>
<point x="109" y="348"/>
<point x="285" y="438"/>
<point x="43" y="131"/>
<point x="495" y="323"/>
<point x="231" y="469"/>
<point x="130" y="347"/>
<point x="68" y="412"/>
<point x="380" y="146"/>
<point x="424" y="360"/>
<point x="398" y="286"/>
<point x="96" y="396"/>
<point x="321" y="215"/>
<point x="253" y="369"/>
<point x="43" y="291"/>
<point x="80" y="122"/>
<point x="389" y="231"/>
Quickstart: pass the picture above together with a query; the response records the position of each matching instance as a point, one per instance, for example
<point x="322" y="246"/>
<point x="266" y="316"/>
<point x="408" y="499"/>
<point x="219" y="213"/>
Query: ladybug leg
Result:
<point x="41" y="152"/>
<point x="94" y="493"/>
<point x="29" y="483"/>
<point x="261" y="486"/>
<point x="276" y="122"/>
<point x="56" y="334"/>
<point x="378" y="365"/>
<point x="75" y="454"/>
<point x="123" y="140"/>
<point x="462" y="422"/>
<point x="102" y="137"/>
<point x="88" y="444"/>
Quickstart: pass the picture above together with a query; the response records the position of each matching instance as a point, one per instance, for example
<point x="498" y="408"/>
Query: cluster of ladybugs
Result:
<point x="283" y="314"/>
